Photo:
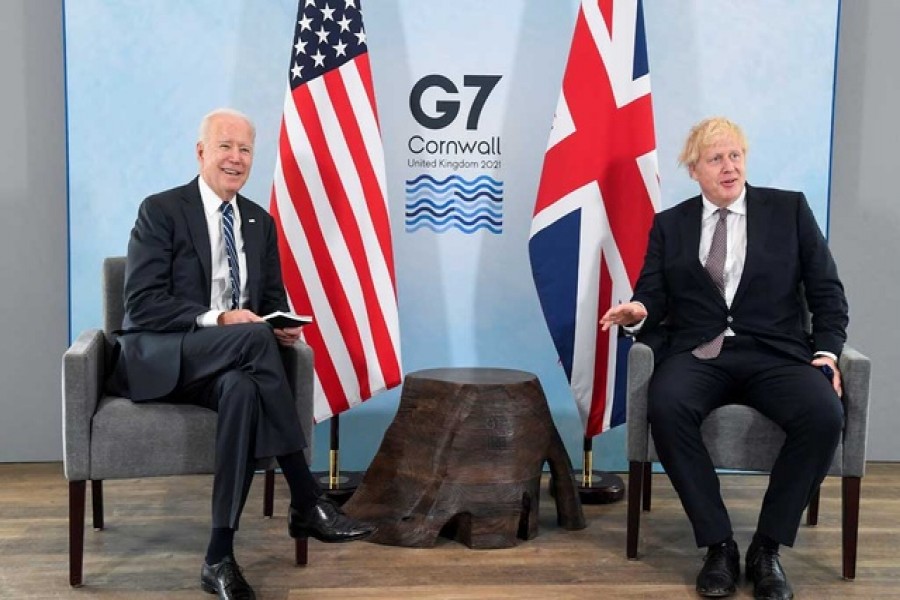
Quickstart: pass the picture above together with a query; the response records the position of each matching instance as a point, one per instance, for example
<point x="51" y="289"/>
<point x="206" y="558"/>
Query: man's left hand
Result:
<point x="820" y="361"/>
<point x="287" y="336"/>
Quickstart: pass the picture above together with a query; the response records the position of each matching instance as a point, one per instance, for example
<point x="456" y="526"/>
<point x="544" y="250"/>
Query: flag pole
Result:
<point x="337" y="485"/>
<point x="597" y="487"/>
<point x="600" y="487"/>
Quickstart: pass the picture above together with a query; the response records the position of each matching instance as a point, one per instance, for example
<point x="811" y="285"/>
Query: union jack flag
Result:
<point x="598" y="193"/>
<point x="330" y="207"/>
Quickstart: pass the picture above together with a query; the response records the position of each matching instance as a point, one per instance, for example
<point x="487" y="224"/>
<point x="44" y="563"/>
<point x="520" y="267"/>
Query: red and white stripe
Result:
<point x="330" y="205"/>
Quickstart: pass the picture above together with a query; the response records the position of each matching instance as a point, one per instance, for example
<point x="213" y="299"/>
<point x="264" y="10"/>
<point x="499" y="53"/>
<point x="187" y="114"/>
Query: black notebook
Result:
<point x="281" y="320"/>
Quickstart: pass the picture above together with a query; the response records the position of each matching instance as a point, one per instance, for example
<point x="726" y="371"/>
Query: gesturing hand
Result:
<point x="629" y="313"/>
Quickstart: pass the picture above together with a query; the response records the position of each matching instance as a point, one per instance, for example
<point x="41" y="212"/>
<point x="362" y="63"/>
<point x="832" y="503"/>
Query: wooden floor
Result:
<point x="156" y="531"/>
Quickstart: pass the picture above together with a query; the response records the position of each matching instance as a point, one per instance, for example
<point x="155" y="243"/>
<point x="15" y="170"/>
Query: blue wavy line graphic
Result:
<point x="454" y="186"/>
<point x="449" y="226"/>
<point x="454" y="203"/>
<point x="427" y="177"/>
<point x="466" y="203"/>
<point x="410" y="215"/>
<point x="454" y="218"/>
<point x="454" y="196"/>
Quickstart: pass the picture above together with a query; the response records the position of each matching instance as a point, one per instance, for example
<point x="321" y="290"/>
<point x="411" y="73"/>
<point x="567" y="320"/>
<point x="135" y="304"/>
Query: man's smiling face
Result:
<point x="226" y="154"/>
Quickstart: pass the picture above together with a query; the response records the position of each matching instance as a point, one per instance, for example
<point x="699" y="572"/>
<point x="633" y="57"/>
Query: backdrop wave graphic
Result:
<point x="454" y="203"/>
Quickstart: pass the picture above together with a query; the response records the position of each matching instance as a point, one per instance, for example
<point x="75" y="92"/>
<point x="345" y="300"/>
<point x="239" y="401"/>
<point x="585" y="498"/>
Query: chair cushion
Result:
<point x="146" y="439"/>
<point x="739" y="437"/>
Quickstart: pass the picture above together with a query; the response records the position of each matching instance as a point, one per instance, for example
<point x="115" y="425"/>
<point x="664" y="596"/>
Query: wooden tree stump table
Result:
<point x="463" y="457"/>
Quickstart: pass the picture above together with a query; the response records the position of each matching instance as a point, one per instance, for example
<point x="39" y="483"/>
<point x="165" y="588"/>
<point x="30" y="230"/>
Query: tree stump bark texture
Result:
<point x="463" y="457"/>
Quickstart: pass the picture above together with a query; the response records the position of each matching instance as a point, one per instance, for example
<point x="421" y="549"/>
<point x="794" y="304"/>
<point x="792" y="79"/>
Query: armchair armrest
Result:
<point x="856" y="371"/>
<point x="298" y="365"/>
<point x="640" y="370"/>
<point x="82" y="384"/>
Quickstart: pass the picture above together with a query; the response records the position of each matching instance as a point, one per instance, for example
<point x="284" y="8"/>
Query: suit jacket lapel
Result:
<point x="691" y="226"/>
<point x="758" y="216"/>
<point x="196" y="221"/>
<point x="253" y="243"/>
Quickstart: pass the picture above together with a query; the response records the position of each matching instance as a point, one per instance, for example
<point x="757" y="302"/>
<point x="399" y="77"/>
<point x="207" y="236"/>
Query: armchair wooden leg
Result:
<point x="97" y="503"/>
<point x="301" y="548"/>
<point x="850" y="487"/>
<point x="646" y="485"/>
<point x="269" y="494"/>
<point x="633" y="522"/>
<point x="812" y="511"/>
<point x="77" y="490"/>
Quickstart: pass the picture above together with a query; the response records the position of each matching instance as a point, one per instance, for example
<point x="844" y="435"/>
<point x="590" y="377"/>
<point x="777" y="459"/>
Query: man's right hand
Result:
<point x="240" y="315"/>
<point x="630" y="313"/>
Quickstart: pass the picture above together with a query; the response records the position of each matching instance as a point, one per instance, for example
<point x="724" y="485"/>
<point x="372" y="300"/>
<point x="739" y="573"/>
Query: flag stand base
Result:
<point x="603" y="488"/>
<point x="336" y="484"/>
<point x="596" y="487"/>
<point x="341" y="487"/>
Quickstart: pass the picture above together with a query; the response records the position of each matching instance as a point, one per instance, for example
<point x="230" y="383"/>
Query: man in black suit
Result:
<point x="202" y="266"/>
<point x="720" y="300"/>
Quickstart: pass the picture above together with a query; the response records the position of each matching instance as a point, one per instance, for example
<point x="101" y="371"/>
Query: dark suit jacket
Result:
<point x="168" y="276"/>
<point x="785" y="249"/>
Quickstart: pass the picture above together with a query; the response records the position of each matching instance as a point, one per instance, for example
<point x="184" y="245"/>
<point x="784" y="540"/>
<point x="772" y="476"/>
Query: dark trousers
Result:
<point x="237" y="370"/>
<point x="795" y="395"/>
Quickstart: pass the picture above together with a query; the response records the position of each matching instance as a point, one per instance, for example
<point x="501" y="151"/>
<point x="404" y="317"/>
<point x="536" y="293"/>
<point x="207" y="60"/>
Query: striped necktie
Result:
<point x="715" y="266"/>
<point x="234" y="271"/>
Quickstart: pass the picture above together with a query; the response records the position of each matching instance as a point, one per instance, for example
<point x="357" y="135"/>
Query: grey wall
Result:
<point x="34" y="330"/>
<point x="865" y="216"/>
<point x="865" y="202"/>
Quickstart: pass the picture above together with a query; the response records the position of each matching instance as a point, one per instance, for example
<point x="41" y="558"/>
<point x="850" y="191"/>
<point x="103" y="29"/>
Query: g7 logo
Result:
<point x="447" y="110"/>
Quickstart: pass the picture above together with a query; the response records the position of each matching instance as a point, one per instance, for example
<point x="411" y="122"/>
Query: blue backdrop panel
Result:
<point x="140" y="75"/>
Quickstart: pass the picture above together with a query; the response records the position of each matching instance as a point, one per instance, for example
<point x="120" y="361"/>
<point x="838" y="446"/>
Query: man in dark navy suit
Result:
<point x="720" y="300"/>
<point x="202" y="266"/>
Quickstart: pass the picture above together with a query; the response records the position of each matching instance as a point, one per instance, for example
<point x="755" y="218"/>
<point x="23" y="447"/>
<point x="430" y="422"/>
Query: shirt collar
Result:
<point x="739" y="206"/>
<point x="211" y="200"/>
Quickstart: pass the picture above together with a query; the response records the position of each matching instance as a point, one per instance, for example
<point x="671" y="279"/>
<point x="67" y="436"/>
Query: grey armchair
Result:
<point x="739" y="437"/>
<point x="99" y="431"/>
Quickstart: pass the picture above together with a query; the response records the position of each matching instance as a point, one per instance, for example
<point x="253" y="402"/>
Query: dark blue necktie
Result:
<point x="234" y="271"/>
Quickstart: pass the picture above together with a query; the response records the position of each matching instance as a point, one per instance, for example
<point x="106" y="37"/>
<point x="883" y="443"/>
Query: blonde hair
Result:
<point x="704" y="134"/>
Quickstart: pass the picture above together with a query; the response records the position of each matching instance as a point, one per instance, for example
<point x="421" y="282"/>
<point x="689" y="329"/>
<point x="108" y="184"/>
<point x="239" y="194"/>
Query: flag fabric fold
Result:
<point x="598" y="191"/>
<point x="329" y="203"/>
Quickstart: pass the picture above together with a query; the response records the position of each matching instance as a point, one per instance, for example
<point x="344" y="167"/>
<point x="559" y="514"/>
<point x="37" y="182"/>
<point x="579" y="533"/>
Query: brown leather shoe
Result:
<point x="327" y="523"/>
<point x="721" y="571"/>
<point x="225" y="579"/>
<point x="769" y="581"/>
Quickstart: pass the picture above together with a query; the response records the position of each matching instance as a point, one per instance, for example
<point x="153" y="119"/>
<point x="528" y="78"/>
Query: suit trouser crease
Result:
<point x="795" y="395"/>
<point x="237" y="370"/>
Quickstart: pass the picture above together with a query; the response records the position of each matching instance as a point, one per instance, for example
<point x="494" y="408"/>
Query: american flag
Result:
<point x="598" y="192"/>
<point x="330" y="206"/>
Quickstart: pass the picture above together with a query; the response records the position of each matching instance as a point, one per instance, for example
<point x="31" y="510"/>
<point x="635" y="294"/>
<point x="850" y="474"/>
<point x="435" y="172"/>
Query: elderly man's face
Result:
<point x="227" y="155"/>
<point x="720" y="170"/>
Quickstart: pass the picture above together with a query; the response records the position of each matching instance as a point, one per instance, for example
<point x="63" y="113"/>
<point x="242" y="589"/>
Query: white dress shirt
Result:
<point x="220" y="286"/>
<point x="736" y="247"/>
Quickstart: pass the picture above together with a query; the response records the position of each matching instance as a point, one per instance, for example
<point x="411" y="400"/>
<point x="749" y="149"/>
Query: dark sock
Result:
<point x="305" y="491"/>
<point x="729" y="540"/>
<point x="221" y="544"/>
<point x="761" y="540"/>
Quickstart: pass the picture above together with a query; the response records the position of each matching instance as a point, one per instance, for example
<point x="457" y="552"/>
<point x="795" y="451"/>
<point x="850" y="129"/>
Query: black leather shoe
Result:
<point x="327" y="523"/>
<point x="721" y="571"/>
<point x="225" y="579"/>
<point x="769" y="581"/>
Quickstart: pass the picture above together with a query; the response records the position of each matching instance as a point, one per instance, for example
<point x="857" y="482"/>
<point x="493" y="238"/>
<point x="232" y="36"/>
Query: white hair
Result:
<point x="204" y="124"/>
